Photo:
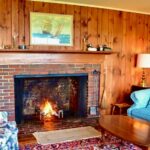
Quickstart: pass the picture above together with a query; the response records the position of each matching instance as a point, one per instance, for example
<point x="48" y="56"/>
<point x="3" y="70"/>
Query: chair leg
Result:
<point x="113" y="109"/>
<point x="120" y="111"/>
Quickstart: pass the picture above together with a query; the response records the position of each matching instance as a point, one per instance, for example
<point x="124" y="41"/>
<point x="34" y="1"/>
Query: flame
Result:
<point x="46" y="109"/>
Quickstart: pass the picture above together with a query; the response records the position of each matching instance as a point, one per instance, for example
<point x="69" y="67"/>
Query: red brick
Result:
<point x="15" y="66"/>
<point x="4" y="66"/>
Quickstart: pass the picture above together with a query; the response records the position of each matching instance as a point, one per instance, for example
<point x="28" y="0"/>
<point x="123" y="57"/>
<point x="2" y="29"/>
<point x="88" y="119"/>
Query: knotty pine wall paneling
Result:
<point x="15" y="20"/>
<point x="148" y="47"/>
<point x="92" y="26"/>
<point x="70" y="11"/>
<point x="5" y="22"/>
<point x="21" y="22"/>
<point x="126" y="33"/>
<point x="28" y="9"/>
<point x="84" y="25"/>
<point x="129" y="44"/>
<point x="77" y="28"/>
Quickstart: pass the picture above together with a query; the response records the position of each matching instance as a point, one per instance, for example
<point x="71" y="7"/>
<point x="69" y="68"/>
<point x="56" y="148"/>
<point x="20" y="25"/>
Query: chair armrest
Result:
<point x="8" y="136"/>
<point x="130" y="109"/>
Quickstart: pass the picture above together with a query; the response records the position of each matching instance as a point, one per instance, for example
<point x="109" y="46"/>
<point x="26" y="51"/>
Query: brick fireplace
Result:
<point x="13" y="67"/>
<point x="50" y="96"/>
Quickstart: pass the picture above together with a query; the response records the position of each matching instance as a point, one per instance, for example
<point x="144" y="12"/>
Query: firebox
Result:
<point x="42" y="97"/>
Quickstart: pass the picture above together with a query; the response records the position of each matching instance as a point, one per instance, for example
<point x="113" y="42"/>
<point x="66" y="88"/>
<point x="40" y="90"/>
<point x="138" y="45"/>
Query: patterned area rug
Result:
<point x="106" y="142"/>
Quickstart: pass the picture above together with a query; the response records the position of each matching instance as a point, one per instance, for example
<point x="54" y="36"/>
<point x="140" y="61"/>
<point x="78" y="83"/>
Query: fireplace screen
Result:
<point x="43" y="97"/>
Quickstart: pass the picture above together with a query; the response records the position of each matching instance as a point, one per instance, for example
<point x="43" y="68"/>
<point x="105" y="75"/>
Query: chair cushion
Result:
<point x="141" y="98"/>
<point x="3" y="116"/>
<point x="8" y="133"/>
<point x="142" y="113"/>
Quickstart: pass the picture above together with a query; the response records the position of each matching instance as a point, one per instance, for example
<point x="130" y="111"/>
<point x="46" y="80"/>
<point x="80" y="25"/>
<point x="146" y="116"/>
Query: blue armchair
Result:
<point x="141" y="107"/>
<point x="8" y="133"/>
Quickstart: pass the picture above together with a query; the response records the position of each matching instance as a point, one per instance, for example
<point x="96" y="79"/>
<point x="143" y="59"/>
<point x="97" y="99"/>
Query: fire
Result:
<point x="47" y="109"/>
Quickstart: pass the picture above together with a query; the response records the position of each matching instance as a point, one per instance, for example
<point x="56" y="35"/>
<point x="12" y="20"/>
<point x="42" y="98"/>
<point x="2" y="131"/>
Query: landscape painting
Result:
<point x="51" y="29"/>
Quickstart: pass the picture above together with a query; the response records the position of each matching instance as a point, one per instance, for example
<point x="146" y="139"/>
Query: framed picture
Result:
<point x="51" y="29"/>
<point x="93" y="110"/>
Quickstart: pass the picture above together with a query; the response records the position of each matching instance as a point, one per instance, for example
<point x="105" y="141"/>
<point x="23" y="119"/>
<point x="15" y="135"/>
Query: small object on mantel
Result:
<point x="22" y="46"/>
<point x="107" y="49"/>
<point x="103" y="48"/>
<point x="100" y="48"/>
<point x="7" y="46"/>
<point x="92" y="49"/>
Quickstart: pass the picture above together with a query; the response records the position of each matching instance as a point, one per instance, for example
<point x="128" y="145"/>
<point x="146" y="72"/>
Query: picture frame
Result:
<point x="51" y="29"/>
<point x="93" y="110"/>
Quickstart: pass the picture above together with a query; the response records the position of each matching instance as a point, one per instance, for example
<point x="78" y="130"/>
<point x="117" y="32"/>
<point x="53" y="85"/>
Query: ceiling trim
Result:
<point x="88" y="5"/>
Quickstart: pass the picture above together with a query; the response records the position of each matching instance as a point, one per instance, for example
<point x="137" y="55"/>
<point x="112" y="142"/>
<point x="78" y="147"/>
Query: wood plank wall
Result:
<point x="126" y="33"/>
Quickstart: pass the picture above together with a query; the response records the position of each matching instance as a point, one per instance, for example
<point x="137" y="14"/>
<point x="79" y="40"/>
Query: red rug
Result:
<point x="107" y="142"/>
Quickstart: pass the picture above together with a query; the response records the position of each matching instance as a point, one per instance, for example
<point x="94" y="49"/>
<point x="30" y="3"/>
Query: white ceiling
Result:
<point x="138" y="6"/>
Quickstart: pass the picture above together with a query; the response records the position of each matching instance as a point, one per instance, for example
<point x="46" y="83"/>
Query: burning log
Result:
<point x="47" y="111"/>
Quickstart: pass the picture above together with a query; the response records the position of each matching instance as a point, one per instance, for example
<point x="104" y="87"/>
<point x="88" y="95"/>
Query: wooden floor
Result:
<point x="25" y="130"/>
<point x="27" y="140"/>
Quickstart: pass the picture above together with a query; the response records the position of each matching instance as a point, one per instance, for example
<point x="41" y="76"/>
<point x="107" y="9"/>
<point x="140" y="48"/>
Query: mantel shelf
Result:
<point x="54" y="51"/>
<point x="31" y="56"/>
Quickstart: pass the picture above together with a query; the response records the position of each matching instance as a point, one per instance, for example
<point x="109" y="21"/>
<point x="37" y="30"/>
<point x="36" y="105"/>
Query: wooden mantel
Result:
<point x="54" y="51"/>
<point x="12" y="56"/>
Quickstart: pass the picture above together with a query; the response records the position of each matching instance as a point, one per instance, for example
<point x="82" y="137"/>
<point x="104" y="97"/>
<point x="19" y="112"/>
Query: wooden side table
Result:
<point x="121" y="106"/>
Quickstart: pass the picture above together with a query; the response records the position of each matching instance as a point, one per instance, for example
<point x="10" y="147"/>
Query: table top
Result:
<point x="133" y="130"/>
<point x="122" y="105"/>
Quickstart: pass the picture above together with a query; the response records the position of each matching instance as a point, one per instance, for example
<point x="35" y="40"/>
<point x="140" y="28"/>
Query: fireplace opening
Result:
<point x="51" y="96"/>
